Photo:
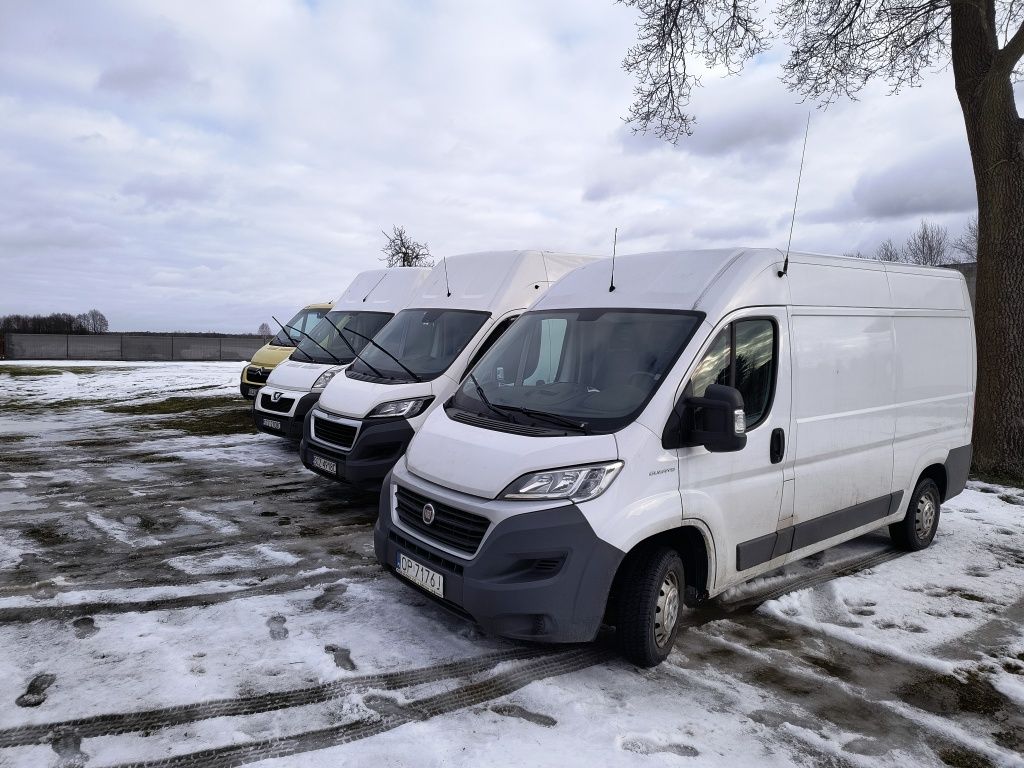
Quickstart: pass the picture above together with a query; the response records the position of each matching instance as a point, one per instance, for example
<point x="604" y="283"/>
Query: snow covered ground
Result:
<point x="176" y="590"/>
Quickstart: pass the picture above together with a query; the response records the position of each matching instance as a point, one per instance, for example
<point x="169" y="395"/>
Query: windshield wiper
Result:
<point x="483" y="399"/>
<point x="341" y="335"/>
<point x="553" y="418"/>
<point x="415" y="376"/>
<point x="334" y="357"/>
<point x="286" y="334"/>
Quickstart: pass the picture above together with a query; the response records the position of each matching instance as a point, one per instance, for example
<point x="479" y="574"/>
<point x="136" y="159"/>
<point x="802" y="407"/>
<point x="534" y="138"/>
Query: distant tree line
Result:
<point x="92" y="321"/>
<point x="930" y="245"/>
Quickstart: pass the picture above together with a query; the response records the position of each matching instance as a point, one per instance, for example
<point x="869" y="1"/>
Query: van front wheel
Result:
<point x="649" y="603"/>
<point x="916" y="531"/>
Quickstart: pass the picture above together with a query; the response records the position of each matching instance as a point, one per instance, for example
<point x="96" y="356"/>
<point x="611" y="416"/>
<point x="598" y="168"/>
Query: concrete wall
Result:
<point x="116" y="346"/>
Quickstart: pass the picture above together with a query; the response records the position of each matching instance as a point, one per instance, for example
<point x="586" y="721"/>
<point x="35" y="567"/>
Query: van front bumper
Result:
<point x="249" y="391"/>
<point x="542" y="575"/>
<point x="289" y="424"/>
<point x="378" y="445"/>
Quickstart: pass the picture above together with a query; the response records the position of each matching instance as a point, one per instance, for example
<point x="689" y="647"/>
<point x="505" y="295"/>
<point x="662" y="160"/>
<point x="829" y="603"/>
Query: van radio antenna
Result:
<point x="796" y="198"/>
<point x="374" y="287"/>
<point x="615" y="246"/>
<point x="444" y="261"/>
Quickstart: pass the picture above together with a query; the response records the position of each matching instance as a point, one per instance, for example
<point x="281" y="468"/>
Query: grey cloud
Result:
<point x="938" y="181"/>
<point x="162" y="191"/>
<point x="934" y="181"/>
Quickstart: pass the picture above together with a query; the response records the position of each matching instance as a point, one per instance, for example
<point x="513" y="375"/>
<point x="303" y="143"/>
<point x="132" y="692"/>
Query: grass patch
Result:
<point x="29" y="370"/>
<point x="174" y="405"/>
<point x="22" y="462"/>
<point x="958" y="757"/>
<point x="234" y="421"/>
<point x="46" y="534"/>
<point x="155" y="458"/>
<point x="12" y="438"/>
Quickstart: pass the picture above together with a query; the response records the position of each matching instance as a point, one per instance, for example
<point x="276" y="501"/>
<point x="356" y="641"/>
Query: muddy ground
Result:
<point x="176" y="590"/>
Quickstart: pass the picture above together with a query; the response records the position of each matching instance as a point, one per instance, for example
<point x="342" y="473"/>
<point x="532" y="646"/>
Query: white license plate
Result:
<point x="325" y="464"/>
<point x="253" y="391"/>
<point x="271" y="423"/>
<point x="432" y="581"/>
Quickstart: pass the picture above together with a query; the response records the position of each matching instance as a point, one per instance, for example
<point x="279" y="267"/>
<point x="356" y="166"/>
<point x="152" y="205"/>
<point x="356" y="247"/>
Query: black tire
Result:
<point x="916" y="531"/>
<point x="639" y="633"/>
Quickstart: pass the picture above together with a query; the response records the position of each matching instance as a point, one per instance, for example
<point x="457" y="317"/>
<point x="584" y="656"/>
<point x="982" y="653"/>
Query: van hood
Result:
<point x="482" y="462"/>
<point x="268" y="355"/>
<point x="355" y="398"/>
<point x="292" y="374"/>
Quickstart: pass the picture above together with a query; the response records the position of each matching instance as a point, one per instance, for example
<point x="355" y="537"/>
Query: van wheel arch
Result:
<point x="689" y="542"/>
<point x="936" y="473"/>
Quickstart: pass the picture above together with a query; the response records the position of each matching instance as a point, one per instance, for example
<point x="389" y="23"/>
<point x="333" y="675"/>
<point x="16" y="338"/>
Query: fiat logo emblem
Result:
<point x="428" y="513"/>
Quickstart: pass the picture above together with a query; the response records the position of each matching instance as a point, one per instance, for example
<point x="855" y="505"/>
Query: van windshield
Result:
<point x="583" y="370"/>
<point x="332" y="333"/>
<point x="425" y="341"/>
<point x="304" y="320"/>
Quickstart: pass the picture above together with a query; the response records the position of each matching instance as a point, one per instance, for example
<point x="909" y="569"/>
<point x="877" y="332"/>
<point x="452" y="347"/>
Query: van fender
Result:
<point x="937" y="453"/>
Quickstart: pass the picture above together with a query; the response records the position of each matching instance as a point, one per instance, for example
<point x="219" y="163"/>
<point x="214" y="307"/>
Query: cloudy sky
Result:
<point x="187" y="165"/>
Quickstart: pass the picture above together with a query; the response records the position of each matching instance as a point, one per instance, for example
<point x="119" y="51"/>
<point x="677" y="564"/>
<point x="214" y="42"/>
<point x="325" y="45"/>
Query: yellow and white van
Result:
<point x="277" y="350"/>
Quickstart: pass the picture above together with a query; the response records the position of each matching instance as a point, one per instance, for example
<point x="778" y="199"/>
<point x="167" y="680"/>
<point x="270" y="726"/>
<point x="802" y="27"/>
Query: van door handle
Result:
<point x="777" y="448"/>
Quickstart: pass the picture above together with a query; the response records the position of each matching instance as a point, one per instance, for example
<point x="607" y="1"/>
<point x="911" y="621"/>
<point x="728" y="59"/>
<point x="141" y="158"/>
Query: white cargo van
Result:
<point x="322" y="352"/>
<point x="627" y="448"/>
<point x="366" y="416"/>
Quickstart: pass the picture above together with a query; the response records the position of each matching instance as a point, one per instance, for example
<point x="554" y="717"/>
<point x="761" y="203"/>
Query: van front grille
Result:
<point x="256" y="374"/>
<point x="341" y="435"/>
<point x="455" y="528"/>
<point x="281" y="406"/>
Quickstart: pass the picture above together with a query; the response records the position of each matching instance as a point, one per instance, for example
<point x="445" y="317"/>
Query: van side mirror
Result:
<point x="716" y="421"/>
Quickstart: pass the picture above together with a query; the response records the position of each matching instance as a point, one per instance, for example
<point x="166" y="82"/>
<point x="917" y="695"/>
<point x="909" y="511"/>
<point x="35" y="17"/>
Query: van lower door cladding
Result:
<point x="764" y="548"/>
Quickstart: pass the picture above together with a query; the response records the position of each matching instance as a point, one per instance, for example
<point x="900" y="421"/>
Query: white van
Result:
<point x="629" y="447"/>
<point x="322" y="352"/>
<point x="366" y="417"/>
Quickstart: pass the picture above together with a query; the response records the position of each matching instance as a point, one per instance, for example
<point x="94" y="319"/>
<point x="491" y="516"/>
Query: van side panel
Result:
<point x="933" y="391"/>
<point x="843" y="390"/>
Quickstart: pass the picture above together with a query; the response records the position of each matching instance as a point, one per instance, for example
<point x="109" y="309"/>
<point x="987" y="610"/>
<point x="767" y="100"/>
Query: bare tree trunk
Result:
<point x="996" y="137"/>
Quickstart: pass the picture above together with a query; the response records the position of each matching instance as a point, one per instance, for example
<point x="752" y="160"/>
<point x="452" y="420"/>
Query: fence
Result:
<point x="117" y="346"/>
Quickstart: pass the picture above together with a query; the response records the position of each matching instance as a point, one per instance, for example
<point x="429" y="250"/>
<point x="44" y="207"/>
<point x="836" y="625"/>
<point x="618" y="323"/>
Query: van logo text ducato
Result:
<point x="428" y="513"/>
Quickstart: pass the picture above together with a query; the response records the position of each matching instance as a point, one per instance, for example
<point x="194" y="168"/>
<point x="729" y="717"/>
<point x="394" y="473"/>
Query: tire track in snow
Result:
<point x="388" y="717"/>
<point x="167" y="717"/>
<point x="29" y="613"/>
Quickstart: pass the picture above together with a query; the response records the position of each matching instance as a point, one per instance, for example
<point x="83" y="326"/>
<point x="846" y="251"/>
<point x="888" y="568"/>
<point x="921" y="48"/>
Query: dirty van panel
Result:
<point x="843" y="383"/>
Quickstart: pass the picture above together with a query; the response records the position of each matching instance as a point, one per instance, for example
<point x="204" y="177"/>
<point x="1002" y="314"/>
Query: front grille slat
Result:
<point x="455" y="528"/>
<point x="281" y="406"/>
<point x="341" y="435"/>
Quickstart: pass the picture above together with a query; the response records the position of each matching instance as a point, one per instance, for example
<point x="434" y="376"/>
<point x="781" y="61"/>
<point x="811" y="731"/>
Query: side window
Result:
<point x="714" y="368"/>
<point x="549" y="352"/>
<point x="741" y="356"/>
<point x="755" y="366"/>
<point x="499" y="329"/>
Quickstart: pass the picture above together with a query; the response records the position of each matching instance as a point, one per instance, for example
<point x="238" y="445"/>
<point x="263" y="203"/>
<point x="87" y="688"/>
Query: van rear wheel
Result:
<point x="916" y="531"/>
<point x="649" y="604"/>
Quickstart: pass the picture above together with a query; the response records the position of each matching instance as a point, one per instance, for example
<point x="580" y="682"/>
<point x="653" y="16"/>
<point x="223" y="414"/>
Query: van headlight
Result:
<point x="573" y="483"/>
<point x="401" y="408"/>
<point x="325" y="378"/>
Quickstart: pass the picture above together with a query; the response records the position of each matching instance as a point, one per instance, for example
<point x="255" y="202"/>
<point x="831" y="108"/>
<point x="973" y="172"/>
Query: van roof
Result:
<point x="382" y="290"/>
<point x="718" y="281"/>
<point x="494" y="281"/>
